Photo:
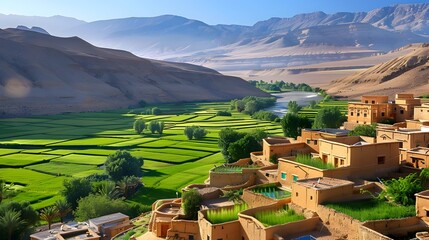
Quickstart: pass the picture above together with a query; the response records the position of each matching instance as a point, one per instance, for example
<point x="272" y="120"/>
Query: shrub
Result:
<point x="329" y="117"/>
<point x="191" y="203"/>
<point x="264" y="115"/>
<point x="94" y="206"/>
<point x="293" y="107"/>
<point x="364" y="130"/>
<point x="199" y="133"/>
<point x="292" y="124"/>
<point x="194" y="132"/>
<point x="156" y="126"/>
<point x="189" y="132"/>
<point x="75" y="189"/>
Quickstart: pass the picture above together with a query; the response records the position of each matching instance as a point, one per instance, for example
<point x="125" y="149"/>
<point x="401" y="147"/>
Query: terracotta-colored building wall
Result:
<point x="225" y="231"/>
<point x="310" y="198"/>
<point x="292" y="171"/>
<point x="418" y="159"/>
<point x="283" y="150"/>
<point x="374" y="99"/>
<point x="219" y="179"/>
<point x="409" y="139"/>
<point x="422" y="204"/>
<point x="421" y="112"/>
<point x="184" y="229"/>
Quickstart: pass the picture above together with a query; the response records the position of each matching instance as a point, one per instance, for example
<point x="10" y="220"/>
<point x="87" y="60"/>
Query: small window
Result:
<point x="311" y="197"/>
<point x="381" y="160"/>
<point x="294" y="178"/>
<point x="358" y="114"/>
<point x="364" y="115"/>
<point x="357" y="121"/>
<point x="342" y="162"/>
<point x="373" y="102"/>
<point x="351" y="114"/>
<point x="402" y="111"/>
<point x="382" y="114"/>
<point x="296" y="194"/>
<point x="308" y="141"/>
<point x="401" y="144"/>
<point x="366" y="101"/>
<point x="191" y="237"/>
<point x="284" y="175"/>
<point x="315" y="142"/>
<point x="427" y="213"/>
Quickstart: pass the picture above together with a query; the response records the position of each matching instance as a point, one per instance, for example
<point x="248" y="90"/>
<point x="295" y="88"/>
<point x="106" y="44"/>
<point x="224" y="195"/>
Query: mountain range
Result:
<point x="43" y="74"/>
<point x="277" y="42"/>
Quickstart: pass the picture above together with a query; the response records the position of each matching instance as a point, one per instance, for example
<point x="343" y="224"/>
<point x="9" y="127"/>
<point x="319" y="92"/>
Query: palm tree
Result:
<point x="109" y="190"/>
<point x="129" y="185"/>
<point x="48" y="214"/>
<point x="11" y="221"/>
<point x="234" y="195"/>
<point x="63" y="208"/>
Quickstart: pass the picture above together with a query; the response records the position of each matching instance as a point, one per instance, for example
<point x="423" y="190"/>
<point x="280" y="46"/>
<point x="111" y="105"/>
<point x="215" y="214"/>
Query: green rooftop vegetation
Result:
<point x="306" y="159"/>
<point x="222" y="215"/>
<point x="231" y="169"/>
<point x="373" y="209"/>
<point x="272" y="191"/>
<point x="276" y="217"/>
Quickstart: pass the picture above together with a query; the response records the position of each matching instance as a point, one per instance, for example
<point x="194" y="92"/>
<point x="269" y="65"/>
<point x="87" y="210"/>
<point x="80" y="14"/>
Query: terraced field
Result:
<point x="38" y="153"/>
<point x="311" y="112"/>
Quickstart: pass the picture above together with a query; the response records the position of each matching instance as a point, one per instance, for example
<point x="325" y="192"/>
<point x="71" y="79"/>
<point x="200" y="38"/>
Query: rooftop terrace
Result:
<point x="323" y="183"/>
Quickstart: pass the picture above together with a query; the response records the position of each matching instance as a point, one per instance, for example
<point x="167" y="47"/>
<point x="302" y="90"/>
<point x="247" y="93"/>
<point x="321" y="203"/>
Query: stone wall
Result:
<point x="396" y="227"/>
<point x="339" y="224"/>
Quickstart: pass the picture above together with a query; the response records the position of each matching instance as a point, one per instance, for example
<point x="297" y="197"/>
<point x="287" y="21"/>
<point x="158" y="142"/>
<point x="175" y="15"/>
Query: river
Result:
<point x="302" y="98"/>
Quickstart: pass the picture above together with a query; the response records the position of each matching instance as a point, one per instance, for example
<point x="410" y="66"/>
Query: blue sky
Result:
<point x="244" y="12"/>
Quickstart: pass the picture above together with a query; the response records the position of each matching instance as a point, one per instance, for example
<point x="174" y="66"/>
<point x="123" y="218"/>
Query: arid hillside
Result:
<point x="407" y="73"/>
<point x="42" y="74"/>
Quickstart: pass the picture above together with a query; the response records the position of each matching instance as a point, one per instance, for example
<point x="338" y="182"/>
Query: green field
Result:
<point x="38" y="153"/>
<point x="311" y="112"/>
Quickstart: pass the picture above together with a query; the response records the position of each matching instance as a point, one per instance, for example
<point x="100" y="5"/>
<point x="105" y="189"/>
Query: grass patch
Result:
<point x="372" y="209"/>
<point x="57" y="168"/>
<point x="231" y="169"/>
<point x="22" y="159"/>
<point x="306" y="159"/>
<point x="276" y="217"/>
<point x="88" y="142"/>
<point x="81" y="159"/>
<point x="272" y="191"/>
<point x="222" y="215"/>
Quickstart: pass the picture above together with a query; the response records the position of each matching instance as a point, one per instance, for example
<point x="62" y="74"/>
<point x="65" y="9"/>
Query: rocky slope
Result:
<point x="42" y="74"/>
<point x="407" y="73"/>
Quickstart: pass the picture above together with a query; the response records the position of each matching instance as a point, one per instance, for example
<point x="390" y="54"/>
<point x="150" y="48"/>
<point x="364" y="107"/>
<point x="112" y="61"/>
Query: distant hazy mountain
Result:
<point x="407" y="73"/>
<point x="276" y="42"/>
<point x="42" y="74"/>
<point x="34" y="29"/>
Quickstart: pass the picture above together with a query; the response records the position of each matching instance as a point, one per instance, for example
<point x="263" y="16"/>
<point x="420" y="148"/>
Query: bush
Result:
<point x="189" y="132"/>
<point x="191" y="204"/>
<point x="233" y="149"/>
<point x="364" y="130"/>
<point x="94" y="206"/>
<point x="292" y="124"/>
<point x="329" y="117"/>
<point x="156" y="126"/>
<point x="223" y="113"/>
<point x="293" y="107"/>
<point x="121" y="164"/>
<point x="264" y="115"/>
<point x="75" y="189"/>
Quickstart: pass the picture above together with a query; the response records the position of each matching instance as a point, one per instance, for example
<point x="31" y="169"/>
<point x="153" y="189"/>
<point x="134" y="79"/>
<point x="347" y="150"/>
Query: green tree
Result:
<point x="199" y="133"/>
<point x="49" y="214"/>
<point x="94" y="206"/>
<point x="153" y="126"/>
<point x="161" y="126"/>
<point x="63" y="208"/>
<point x="364" y="130"/>
<point x="292" y="124"/>
<point x="189" y="132"/>
<point x="240" y="105"/>
<point x="264" y="115"/>
<point x="251" y="107"/>
<point x="121" y="164"/>
<point x="234" y="196"/>
<point x="293" y="107"/>
<point x="223" y="113"/>
<point x="312" y="104"/>
<point x="243" y="147"/>
<point x="226" y="137"/>
<point x="139" y="125"/>
<point x="11" y="221"/>
<point x="75" y="189"/>
<point x="108" y="189"/>
<point x="127" y="186"/>
<point x="156" y="111"/>
<point x="329" y="117"/>
<point x="191" y="203"/>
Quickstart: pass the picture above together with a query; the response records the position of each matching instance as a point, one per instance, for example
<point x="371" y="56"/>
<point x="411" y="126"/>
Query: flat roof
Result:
<point x="424" y="194"/>
<point x="51" y="234"/>
<point x="420" y="150"/>
<point x="334" y="131"/>
<point x="108" y="218"/>
<point x="323" y="183"/>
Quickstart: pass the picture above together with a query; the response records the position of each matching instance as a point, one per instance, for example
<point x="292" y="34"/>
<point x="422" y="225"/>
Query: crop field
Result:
<point x="39" y="153"/>
<point x="311" y="112"/>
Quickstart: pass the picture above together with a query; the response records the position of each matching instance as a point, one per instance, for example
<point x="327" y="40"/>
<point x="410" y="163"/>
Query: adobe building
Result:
<point x="351" y="157"/>
<point x="110" y="225"/>
<point x="374" y="109"/>
<point x="78" y="231"/>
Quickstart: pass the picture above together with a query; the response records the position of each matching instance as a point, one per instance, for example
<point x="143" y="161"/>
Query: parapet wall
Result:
<point x="338" y="223"/>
